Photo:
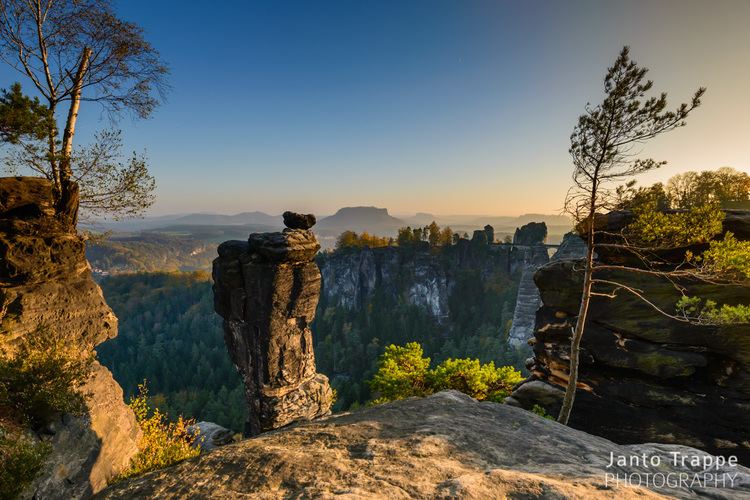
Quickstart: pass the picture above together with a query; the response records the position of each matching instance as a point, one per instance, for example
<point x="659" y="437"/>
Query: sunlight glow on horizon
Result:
<point x="450" y="108"/>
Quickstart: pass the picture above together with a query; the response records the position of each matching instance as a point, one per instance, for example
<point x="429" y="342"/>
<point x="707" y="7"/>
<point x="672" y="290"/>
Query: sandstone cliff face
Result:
<point x="350" y="278"/>
<point x="267" y="289"/>
<point x="530" y="240"/>
<point x="443" y="446"/>
<point x="645" y="377"/>
<point x="45" y="281"/>
<point x="422" y="277"/>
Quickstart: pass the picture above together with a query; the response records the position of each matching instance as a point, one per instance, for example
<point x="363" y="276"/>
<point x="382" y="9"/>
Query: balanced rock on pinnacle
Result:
<point x="267" y="289"/>
<point x="293" y="220"/>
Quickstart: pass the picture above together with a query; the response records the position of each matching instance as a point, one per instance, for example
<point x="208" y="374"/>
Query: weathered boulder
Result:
<point x="267" y="290"/>
<point x="294" y="220"/>
<point x="533" y="233"/>
<point x="209" y="435"/>
<point x="479" y="237"/>
<point x="644" y="377"/>
<point x="45" y="282"/>
<point x="443" y="446"/>
<point x="572" y="247"/>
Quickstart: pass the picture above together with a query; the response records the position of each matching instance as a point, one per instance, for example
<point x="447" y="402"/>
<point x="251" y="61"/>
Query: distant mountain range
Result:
<point x="374" y="220"/>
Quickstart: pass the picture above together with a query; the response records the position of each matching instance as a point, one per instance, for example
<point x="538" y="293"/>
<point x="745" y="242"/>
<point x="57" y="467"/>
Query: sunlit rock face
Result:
<point x="45" y="282"/>
<point x="267" y="289"/>
<point x="418" y="275"/>
<point x="644" y="377"/>
<point x="446" y="445"/>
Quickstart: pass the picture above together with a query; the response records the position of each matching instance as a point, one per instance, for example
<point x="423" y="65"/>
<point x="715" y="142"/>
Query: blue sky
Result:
<point x="438" y="106"/>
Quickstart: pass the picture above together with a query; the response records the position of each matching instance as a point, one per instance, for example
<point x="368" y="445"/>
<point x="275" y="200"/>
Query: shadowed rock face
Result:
<point x="533" y="254"/>
<point x="443" y="446"/>
<point x="644" y="377"/>
<point x="294" y="220"/>
<point x="267" y="289"/>
<point x="46" y="282"/>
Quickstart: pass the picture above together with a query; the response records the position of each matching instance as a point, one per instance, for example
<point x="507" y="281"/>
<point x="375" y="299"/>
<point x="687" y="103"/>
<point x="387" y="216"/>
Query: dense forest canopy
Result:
<point x="170" y="335"/>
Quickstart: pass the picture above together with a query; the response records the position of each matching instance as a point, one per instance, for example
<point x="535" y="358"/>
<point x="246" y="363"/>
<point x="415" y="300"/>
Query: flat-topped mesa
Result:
<point x="267" y="289"/>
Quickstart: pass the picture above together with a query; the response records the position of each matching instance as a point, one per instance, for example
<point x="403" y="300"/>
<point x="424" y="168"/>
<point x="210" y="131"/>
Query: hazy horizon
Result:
<point x="425" y="106"/>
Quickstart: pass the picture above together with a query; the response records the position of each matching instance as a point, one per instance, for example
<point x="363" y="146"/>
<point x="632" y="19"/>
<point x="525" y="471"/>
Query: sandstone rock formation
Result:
<point x="645" y="377"/>
<point x="423" y="277"/>
<point x="267" y="289"/>
<point x="572" y="247"/>
<point x="528" y="244"/>
<point x="294" y="220"/>
<point x="209" y="435"/>
<point x="45" y="281"/>
<point x="443" y="446"/>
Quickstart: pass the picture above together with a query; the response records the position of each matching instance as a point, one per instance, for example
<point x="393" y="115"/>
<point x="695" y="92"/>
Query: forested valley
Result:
<point x="170" y="336"/>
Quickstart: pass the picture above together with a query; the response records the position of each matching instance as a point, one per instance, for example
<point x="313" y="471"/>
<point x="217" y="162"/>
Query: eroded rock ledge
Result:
<point x="45" y="281"/>
<point x="267" y="289"/>
<point x="447" y="445"/>
<point x="645" y="377"/>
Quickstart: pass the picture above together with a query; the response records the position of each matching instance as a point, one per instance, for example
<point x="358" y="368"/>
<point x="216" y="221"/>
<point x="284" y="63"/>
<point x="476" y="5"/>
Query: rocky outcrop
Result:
<point x="572" y="247"/>
<point x="528" y="244"/>
<point x="209" y="435"/>
<point x="88" y="452"/>
<point x="645" y="377"/>
<point x="530" y="234"/>
<point x="294" y="220"/>
<point x="266" y="290"/>
<point x="421" y="276"/>
<point x="444" y="446"/>
<point x="45" y="282"/>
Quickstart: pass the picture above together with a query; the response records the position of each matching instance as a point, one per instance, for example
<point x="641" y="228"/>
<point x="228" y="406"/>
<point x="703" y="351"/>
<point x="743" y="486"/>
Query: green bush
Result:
<point x="728" y="258"/>
<point x="480" y="381"/>
<point x="42" y="378"/>
<point x="709" y="312"/>
<point x="539" y="410"/>
<point x="21" y="460"/>
<point x="653" y="227"/>
<point x="404" y="372"/>
<point x="163" y="443"/>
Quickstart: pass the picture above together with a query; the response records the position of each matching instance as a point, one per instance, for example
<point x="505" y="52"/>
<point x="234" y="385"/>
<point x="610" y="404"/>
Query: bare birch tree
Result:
<point x="77" y="51"/>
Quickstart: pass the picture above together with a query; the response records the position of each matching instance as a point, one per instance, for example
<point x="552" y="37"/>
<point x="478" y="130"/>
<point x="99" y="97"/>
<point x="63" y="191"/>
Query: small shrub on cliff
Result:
<point x="480" y="381"/>
<point x="728" y="257"/>
<point x="42" y="378"/>
<point x="21" y="460"/>
<point x="404" y="372"/>
<point x="163" y="443"/>
<point x="656" y="228"/>
<point x="539" y="410"/>
<point x="709" y="312"/>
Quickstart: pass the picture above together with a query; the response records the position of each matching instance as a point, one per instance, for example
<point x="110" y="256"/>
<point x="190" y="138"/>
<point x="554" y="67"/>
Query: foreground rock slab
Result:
<point x="444" y="446"/>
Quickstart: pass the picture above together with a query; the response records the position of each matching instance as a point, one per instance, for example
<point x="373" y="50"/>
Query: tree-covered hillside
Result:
<point x="170" y="335"/>
<point x="349" y="341"/>
<point x="150" y="252"/>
